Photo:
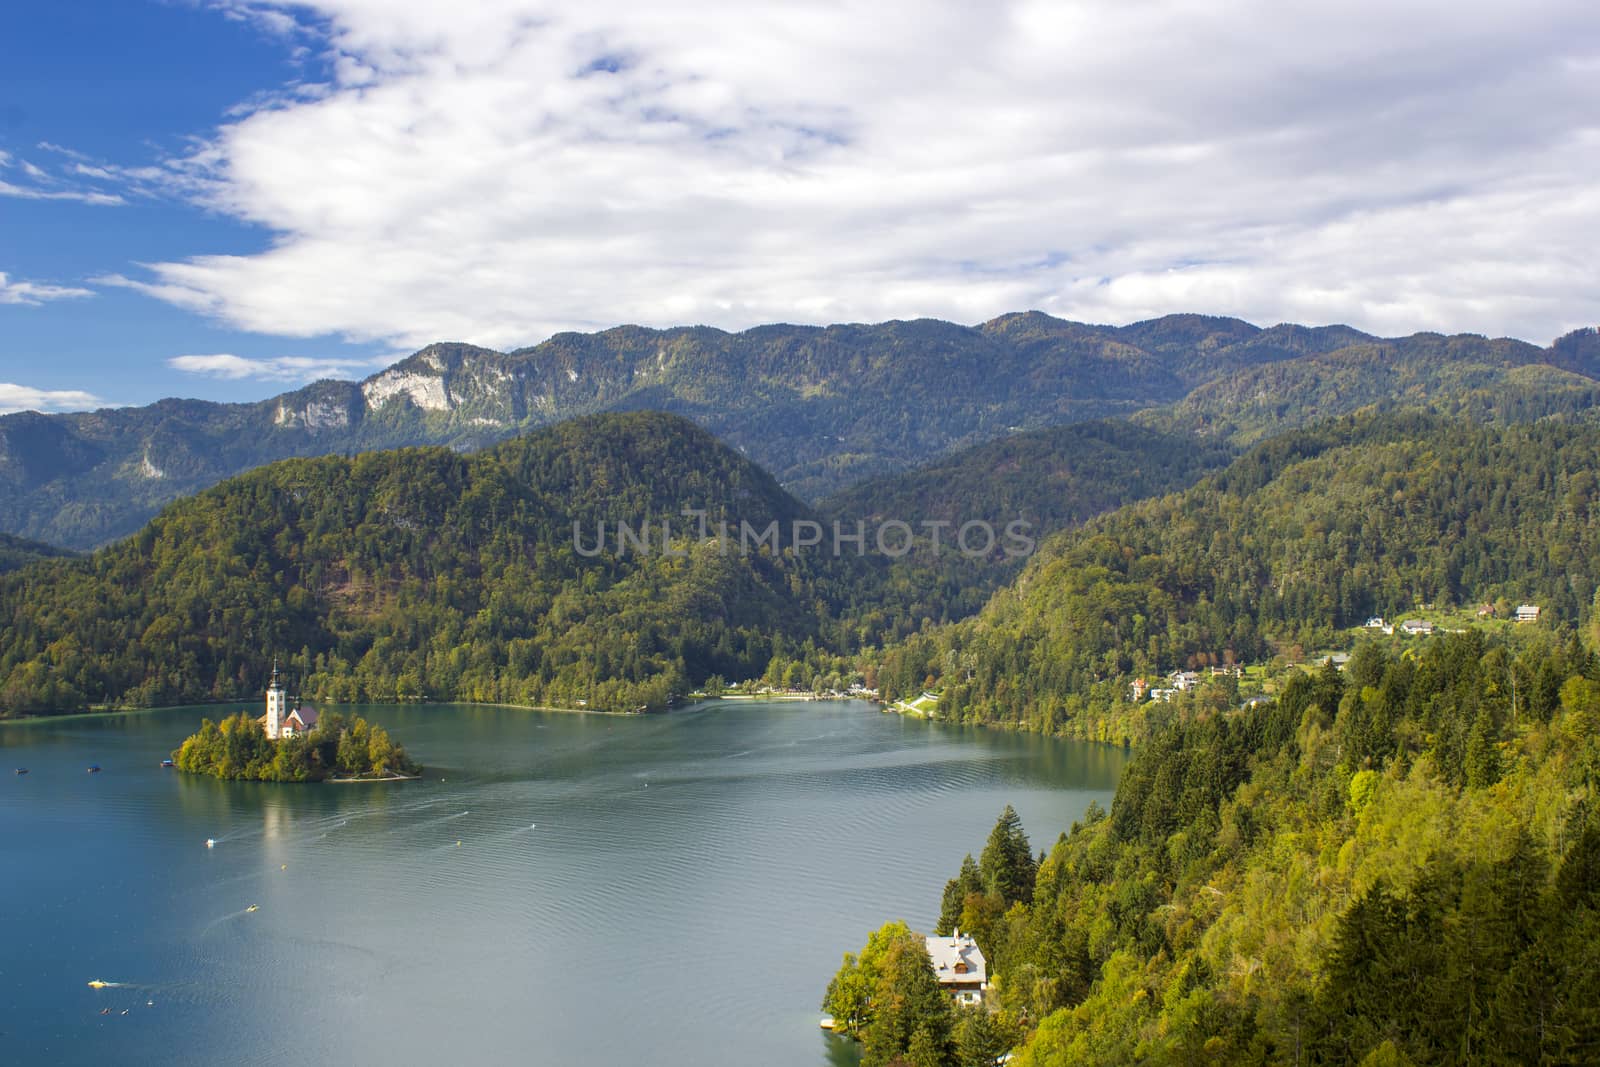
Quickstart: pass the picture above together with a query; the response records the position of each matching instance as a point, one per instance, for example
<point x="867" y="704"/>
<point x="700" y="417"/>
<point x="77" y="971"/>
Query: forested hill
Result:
<point x="822" y="407"/>
<point x="1396" y="864"/>
<point x="1303" y="535"/>
<point x="1049" y="479"/>
<point x="1052" y="478"/>
<point x="17" y="552"/>
<point x="422" y="572"/>
<point x="1464" y="377"/>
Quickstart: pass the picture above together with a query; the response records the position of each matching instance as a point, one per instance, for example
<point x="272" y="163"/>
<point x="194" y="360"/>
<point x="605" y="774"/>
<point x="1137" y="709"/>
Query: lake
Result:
<point x="559" y="889"/>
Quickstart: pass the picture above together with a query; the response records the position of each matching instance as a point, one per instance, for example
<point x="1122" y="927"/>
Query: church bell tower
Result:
<point x="275" y="705"/>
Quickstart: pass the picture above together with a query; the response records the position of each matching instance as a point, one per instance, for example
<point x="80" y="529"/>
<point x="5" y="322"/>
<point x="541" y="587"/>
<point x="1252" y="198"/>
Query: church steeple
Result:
<point x="275" y="704"/>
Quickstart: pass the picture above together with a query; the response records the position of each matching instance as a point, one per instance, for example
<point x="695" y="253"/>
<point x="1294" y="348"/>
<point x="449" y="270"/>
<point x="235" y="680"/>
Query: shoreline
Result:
<point x="33" y="718"/>
<point x="385" y="778"/>
<point x="898" y="708"/>
<point x="739" y="697"/>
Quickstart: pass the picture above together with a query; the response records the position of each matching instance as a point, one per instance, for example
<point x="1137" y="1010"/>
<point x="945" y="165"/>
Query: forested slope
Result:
<point x="1304" y="535"/>
<point x="18" y="552"/>
<point x="421" y="572"/>
<point x="1399" y="864"/>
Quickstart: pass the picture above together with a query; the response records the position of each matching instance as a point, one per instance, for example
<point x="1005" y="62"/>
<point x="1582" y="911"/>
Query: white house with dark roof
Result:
<point x="960" y="966"/>
<point x="1528" y="613"/>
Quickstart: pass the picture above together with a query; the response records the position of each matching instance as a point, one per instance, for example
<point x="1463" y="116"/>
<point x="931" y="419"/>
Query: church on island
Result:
<point x="281" y="721"/>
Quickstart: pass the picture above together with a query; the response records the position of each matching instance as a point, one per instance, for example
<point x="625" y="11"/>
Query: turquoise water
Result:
<point x="666" y="890"/>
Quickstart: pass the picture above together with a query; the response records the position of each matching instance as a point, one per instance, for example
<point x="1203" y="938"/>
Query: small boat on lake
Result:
<point x="22" y="770"/>
<point x="168" y="763"/>
<point x="94" y="768"/>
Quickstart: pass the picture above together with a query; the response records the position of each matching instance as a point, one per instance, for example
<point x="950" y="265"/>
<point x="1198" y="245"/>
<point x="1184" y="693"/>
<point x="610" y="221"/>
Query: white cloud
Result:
<point x="277" y="369"/>
<point x="49" y="187"/>
<point x="15" y="398"/>
<point x="35" y="293"/>
<point x="496" y="171"/>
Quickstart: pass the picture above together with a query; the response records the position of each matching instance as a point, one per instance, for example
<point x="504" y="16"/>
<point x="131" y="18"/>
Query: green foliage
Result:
<point x="237" y="748"/>
<point x="980" y="1038"/>
<point x="956" y="892"/>
<point x="422" y="574"/>
<point x="889" y="998"/>
<point x="1463" y="377"/>
<point x="1300" y="538"/>
<point x="1044" y="480"/>
<point x="1266" y="891"/>
<point x="1006" y="866"/>
<point x="16" y="552"/>
<point x="849" y="995"/>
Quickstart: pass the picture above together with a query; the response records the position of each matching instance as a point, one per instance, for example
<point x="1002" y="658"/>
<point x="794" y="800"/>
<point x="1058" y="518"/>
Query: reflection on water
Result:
<point x="668" y="890"/>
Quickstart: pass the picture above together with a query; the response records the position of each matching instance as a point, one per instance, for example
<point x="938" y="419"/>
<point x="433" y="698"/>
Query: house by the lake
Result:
<point x="1528" y="613"/>
<point x="960" y="966"/>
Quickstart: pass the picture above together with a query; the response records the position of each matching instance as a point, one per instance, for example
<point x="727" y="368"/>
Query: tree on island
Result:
<point x="238" y="748"/>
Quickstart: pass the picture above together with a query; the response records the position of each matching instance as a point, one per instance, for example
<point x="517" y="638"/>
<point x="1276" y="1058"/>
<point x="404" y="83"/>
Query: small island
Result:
<point x="294" y="745"/>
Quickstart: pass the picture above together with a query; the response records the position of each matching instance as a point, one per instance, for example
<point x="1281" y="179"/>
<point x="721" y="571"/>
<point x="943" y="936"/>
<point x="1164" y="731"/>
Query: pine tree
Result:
<point x="907" y="1006"/>
<point x="1483" y="758"/>
<point x="1007" y="863"/>
<point x="956" y="891"/>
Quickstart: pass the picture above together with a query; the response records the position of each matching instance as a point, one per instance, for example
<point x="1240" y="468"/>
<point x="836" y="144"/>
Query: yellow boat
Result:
<point x="252" y="907"/>
<point x="97" y="984"/>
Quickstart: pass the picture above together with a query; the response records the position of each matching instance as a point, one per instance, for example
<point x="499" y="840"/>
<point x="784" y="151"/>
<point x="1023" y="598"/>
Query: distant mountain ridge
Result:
<point x="822" y="407"/>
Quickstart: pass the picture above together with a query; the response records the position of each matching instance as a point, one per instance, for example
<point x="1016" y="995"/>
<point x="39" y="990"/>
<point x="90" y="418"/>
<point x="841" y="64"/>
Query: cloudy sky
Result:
<point x="222" y="198"/>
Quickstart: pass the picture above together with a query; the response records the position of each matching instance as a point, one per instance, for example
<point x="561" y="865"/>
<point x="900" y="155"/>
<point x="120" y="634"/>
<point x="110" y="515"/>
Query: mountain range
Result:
<point x="822" y="408"/>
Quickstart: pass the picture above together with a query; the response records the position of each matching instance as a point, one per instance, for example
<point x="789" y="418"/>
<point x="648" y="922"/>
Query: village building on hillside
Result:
<point x="1528" y="613"/>
<point x="1183" y="681"/>
<point x="960" y="966"/>
<point x="1417" y="627"/>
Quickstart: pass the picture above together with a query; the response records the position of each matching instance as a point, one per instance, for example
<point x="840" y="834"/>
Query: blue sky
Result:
<point x="127" y="81"/>
<point x="225" y="198"/>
